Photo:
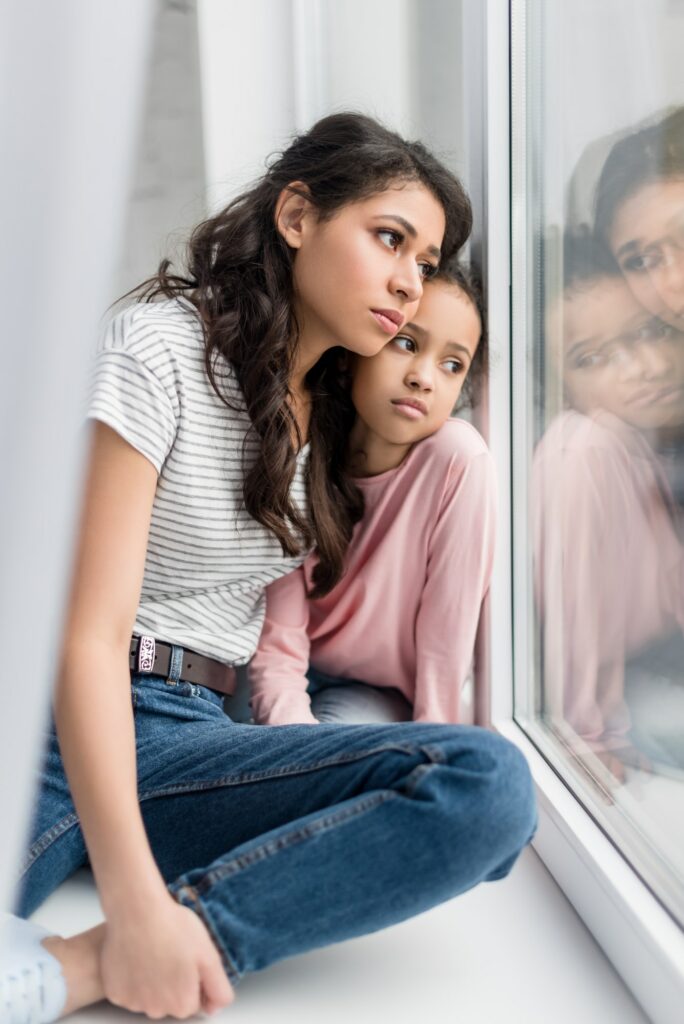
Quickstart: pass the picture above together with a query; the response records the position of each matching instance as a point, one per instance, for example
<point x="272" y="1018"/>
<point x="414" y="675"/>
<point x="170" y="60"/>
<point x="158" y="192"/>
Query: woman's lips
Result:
<point x="412" y="408"/>
<point x="389" y="319"/>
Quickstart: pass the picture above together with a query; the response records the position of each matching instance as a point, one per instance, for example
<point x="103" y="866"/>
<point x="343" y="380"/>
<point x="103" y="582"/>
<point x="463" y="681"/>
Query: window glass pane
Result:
<point x="598" y="121"/>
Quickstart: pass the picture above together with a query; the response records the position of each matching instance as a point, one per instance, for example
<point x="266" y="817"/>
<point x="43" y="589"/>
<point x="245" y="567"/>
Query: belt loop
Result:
<point x="175" y="665"/>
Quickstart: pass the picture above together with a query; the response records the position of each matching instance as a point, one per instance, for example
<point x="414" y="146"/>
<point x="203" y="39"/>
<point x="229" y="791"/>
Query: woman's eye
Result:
<point x="404" y="342"/>
<point x="427" y="270"/>
<point x="641" y="263"/>
<point x="392" y="239"/>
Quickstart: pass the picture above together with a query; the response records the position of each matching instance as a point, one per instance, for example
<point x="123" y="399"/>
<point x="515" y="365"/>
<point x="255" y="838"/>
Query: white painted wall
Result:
<point x="247" y="81"/>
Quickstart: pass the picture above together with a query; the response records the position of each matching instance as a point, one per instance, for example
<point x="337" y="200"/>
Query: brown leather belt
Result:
<point x="148" y="656"/>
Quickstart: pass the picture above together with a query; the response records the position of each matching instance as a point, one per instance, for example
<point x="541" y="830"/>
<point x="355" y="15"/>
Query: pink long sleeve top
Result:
<point x="609" y="566"/>
<point x="405" y="613"/>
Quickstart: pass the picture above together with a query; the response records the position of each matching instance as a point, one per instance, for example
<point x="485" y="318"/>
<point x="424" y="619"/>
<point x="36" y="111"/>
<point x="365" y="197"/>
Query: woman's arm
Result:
<point x="156" y="953"/>
<point x="460" y="559"/>
<point x="277" y="672"/>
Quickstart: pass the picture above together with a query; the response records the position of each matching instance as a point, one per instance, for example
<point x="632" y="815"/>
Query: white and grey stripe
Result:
<point x="207" y="560"/>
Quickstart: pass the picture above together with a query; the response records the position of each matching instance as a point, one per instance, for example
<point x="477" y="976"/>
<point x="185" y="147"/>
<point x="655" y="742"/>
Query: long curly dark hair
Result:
<point x="652" y="153"/>
<point x="239" y="276"/>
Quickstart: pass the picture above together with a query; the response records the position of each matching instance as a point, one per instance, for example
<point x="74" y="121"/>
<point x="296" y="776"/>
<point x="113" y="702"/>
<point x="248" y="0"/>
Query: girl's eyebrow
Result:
<point x="409" y="229"/>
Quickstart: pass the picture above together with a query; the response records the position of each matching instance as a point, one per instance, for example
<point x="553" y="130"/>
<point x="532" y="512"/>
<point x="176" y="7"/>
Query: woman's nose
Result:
<point x="670" y="279"/>
<point x="407" y="280"/>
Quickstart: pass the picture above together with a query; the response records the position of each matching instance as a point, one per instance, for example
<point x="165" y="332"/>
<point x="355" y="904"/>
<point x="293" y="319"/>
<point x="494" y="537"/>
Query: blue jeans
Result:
<point x="286" y="839"/>
<point x="352" y="702"/>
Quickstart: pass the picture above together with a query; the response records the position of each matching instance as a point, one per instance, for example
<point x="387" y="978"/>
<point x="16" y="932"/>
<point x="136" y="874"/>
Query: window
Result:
<point x="598" y="415"/>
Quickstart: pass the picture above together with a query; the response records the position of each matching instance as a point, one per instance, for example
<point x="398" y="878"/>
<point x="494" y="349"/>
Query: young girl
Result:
<point x="218" y="848"/>
<point x="394" y="639"/>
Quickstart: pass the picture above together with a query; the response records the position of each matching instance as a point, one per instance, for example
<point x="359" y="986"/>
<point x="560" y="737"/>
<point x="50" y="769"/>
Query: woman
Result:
<point x="640" y="214"/>
<point x="215" y="467"/>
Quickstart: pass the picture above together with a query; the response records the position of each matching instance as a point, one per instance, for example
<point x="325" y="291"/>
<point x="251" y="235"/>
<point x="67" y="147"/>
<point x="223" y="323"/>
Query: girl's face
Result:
<point x="409" y="389"/>
<point x="619" y="358"/>
<point x="358" y="276"/>
<point x="647" y="239"/>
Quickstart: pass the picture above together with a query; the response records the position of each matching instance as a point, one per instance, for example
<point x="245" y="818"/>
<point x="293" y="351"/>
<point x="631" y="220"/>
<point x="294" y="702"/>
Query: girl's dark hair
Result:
<point x="239" y="277"/>
<point x="469" y="281"/>
<point x="653" y="153"/>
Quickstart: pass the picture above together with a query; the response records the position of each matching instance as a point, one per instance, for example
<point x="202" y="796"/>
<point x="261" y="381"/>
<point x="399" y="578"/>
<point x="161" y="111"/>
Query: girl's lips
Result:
<point x="662" y="396"/>
<point x="389" y="320"/>
<point x="413" y="409"/>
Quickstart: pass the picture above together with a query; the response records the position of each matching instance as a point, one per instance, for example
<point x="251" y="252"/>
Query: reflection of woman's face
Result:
<point x="647" y="239"/>
<point x="620" y="359"/>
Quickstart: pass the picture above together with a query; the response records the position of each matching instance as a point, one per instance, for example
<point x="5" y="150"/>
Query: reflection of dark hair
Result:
<point x="468" y="281"/>
<point x="585" y="259"/>
<point x="653" y="153"/>
<point x="239" y="276"/>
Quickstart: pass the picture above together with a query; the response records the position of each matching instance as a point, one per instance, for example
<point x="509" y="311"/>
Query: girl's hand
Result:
<point x="160" y="960"/>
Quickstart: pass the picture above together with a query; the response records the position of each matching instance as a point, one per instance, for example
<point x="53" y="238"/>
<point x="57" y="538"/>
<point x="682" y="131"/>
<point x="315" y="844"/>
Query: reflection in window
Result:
<point x="606" y="463"/>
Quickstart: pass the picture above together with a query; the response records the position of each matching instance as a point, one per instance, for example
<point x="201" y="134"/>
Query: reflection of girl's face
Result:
<point x="647" y="239"/>
<point x="618" y="358"/>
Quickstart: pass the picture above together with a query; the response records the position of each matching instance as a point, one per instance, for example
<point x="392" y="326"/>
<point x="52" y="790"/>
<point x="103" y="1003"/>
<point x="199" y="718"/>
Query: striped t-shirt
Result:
<point x="207" y="561"/>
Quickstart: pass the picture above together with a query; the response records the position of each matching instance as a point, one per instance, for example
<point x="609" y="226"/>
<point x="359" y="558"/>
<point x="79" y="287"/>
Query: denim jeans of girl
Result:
<point x="285" y="839"/>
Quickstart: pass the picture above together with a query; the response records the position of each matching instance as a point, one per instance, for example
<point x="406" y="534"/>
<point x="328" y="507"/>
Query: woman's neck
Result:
<point x="370" y="455"/>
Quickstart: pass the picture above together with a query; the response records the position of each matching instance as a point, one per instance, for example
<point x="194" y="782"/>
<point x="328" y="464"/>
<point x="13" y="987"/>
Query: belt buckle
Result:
<point x="147" y="650"/>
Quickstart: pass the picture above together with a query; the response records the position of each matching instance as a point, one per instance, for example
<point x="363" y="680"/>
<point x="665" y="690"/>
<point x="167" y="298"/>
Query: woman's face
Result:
<point x="358" y="276"/>
<point x="647" y="239"/>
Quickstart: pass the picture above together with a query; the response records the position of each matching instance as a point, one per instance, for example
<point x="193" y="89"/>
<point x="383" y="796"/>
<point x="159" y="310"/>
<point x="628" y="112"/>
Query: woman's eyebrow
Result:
<point x="409" y="229"/>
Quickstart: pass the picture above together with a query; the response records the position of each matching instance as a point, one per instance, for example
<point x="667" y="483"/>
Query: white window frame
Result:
<point x="644" y="943"/>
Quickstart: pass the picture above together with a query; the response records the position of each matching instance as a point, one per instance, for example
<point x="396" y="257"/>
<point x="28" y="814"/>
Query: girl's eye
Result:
<point x="454" y="365"/>
<point x="404" y="342"/>
<point x="427" y="270"/>
<point x="391" y="238"/>
<point x="589" y="361"/>
<point x="656" y="330"/>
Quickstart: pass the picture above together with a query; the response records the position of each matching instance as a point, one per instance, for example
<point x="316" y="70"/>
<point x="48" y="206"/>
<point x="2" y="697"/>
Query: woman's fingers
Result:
<point x="217" y="991"/>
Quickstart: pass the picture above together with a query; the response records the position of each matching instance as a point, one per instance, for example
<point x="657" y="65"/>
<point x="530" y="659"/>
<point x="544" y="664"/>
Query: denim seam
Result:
<point x="188" y="896"/>
<point x="273" y="846"/>
<point x="180" y="788"/>
<point x="47" y="839"/>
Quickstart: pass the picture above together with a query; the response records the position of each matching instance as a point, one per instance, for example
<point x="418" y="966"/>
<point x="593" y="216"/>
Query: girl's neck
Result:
<point x="370" y="455"/>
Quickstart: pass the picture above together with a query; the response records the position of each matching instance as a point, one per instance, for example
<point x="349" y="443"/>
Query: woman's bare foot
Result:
<point x="80" y="960"/>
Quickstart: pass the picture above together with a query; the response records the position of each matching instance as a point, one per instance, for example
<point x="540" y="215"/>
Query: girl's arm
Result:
<point x="277" y="673"/>
<point x="460" y="559"/>
<point x="157" y="956"/>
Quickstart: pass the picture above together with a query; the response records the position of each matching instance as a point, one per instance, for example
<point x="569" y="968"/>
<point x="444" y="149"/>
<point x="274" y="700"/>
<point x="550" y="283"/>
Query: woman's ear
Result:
<point x="291" y="211"/>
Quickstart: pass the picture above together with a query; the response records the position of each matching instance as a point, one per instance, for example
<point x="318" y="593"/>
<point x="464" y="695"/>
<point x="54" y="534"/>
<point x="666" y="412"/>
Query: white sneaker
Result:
<point x="32" y="986"/>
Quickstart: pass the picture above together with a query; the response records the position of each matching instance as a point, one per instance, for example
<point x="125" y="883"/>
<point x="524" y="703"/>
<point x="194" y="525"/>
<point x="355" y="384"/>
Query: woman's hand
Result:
<point x="160" y="960"/>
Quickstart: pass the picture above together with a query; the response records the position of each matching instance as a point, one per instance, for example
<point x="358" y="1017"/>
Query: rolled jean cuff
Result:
<point x="188" y="896"/>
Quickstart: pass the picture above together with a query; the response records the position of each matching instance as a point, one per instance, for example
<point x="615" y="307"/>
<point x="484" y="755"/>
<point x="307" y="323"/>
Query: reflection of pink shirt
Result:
<point x="405" y="613"/>
<point x="608" y="565"/>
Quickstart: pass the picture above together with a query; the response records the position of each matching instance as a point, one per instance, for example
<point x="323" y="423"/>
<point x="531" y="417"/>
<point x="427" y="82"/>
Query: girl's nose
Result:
<point x="419" y="377"/>
<point x="655" y="361"/>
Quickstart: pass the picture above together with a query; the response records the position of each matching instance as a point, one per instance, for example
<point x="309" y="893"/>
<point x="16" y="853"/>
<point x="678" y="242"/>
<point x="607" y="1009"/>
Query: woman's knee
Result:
<point x="501" y="808"/>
